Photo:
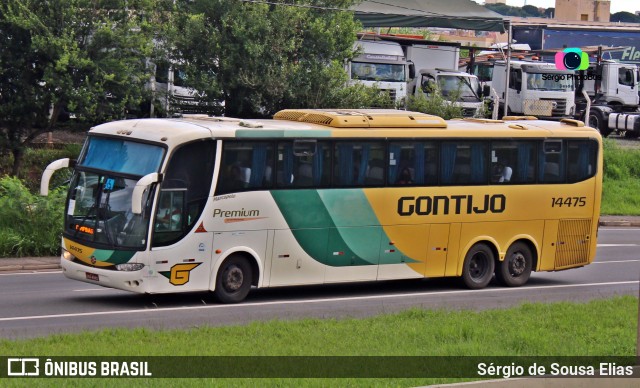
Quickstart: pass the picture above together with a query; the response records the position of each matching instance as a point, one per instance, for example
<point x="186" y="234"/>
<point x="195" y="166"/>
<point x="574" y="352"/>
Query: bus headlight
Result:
<point x="67" y="255"/>
<point x="130" y="267"/>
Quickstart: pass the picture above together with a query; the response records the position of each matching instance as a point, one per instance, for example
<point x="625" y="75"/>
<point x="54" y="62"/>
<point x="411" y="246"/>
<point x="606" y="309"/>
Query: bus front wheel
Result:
<point x="479" y="264"/>
<point x="515" y="269"/>
<point x="233" y="282"/>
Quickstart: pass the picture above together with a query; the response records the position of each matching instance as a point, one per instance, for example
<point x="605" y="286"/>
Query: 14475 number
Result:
<point x="568" y="201"/>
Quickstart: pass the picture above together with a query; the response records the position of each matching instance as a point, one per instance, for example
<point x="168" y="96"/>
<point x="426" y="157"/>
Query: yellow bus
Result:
<point x="326" y="196"/>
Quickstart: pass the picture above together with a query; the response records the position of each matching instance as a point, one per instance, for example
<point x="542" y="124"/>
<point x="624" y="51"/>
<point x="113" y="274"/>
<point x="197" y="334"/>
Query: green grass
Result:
<point x="597" y="328"/>
<point x="621" y="185"/>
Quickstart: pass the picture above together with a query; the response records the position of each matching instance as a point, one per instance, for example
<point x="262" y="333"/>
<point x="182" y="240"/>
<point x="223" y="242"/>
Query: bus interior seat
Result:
<point x="375" y="176"/>
<point x="305" y="175"/>
<point x="551" y="171"/>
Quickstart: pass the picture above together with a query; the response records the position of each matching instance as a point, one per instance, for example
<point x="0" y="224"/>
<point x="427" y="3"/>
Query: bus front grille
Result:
<point x="572" y="245"/>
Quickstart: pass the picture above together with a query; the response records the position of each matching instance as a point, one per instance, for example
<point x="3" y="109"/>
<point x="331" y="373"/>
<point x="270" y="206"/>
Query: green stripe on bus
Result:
<point x="113" y="257"/>
<point x="335" y="227"/>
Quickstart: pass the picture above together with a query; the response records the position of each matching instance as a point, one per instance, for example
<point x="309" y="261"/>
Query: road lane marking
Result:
<point x="292" y="302"/>
<point x="96" y="289"/>
<point x="617" y="261"/>
<point x="45" y="272"/>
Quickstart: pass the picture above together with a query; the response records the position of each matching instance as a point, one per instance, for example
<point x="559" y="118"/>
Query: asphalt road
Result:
<point x="37" y="304"/>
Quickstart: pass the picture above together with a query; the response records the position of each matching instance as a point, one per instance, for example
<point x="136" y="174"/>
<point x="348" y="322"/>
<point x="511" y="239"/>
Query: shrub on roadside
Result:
<point x="30" y="225"/>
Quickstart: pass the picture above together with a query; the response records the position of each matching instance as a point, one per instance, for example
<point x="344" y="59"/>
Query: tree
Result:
<point x="262" y="57"/>
<point x="85" y="56"/>
<point x="625" y="17"/>
<point x="531" y="11"/>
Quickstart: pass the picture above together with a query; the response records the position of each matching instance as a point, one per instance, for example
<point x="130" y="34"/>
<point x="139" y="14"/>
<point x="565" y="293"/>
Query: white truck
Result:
<point x="535" y="89"/>
<point x="451" y="83"/>
<point x="380" y="64"/>
<point x="614" y="107"/>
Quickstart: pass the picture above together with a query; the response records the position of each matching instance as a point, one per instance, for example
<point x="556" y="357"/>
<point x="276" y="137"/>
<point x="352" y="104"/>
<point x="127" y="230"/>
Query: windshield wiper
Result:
<point x="468" y="83"/>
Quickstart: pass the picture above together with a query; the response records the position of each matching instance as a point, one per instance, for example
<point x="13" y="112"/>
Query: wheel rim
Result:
<point x="233" y="279"/>
<point x="517" y="264"/>
<point x="478" y="266"/>
<point x="593" y="122"/>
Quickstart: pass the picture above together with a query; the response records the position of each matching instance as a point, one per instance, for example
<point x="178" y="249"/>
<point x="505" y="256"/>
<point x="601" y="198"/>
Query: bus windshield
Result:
<point x="122" y="156"/>
<point x="99" y="203"/>
<point x="99" y="211"/>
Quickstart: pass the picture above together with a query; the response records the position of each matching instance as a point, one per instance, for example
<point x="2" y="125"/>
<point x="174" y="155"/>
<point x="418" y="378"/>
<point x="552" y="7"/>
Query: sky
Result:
<point x="616" y="5"/>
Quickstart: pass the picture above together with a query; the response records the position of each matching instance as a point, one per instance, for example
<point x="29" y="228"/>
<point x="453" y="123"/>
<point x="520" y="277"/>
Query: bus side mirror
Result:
<point x="138" y="191"/>
<point x="48" y="172"/>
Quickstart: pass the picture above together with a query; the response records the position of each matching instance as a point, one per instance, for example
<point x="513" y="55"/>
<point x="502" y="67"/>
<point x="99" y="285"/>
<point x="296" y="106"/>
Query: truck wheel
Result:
<point x="597" y="121"/>
<point x="234" y="280"/>
<point x="515" y="269"/>
<point x="478" y="267"/>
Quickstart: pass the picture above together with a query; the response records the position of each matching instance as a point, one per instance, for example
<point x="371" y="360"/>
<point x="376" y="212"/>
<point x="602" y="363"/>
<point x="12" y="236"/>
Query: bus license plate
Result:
<point x="93" y="276"/>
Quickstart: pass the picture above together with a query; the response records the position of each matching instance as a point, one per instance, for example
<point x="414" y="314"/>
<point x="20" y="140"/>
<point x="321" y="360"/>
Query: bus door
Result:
<point x="179" y="259"/>
<point x="181" y="247"/>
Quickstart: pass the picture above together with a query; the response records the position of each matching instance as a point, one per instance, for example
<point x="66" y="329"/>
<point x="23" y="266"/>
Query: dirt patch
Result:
<point x="60" y="137"/>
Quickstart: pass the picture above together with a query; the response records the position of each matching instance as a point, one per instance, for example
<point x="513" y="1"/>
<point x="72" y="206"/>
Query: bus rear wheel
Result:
<point x="478" y="267"/>
<point x="515" y="269"/>
<point x="233" y="282"/>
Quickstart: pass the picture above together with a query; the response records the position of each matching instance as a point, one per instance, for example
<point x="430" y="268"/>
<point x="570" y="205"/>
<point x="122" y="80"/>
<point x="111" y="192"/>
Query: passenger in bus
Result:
<point x="501" y="173"/>
<point x="405" y="177"/>
<point x="236" y="179"/>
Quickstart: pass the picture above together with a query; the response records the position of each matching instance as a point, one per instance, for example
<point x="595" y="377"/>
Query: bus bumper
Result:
<point x="123" y="280"/>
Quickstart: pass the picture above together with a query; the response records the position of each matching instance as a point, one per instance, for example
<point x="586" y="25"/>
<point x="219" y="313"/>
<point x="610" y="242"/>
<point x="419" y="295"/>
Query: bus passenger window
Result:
<point x="552" y="162"/>
<point x="464" y="163"/>
<point x="582" y="156"/>
<point x="245" y="166"/>
<point x="359" y="164"/>
<point x="512" y="162"/>
<point x="297" y="169"/>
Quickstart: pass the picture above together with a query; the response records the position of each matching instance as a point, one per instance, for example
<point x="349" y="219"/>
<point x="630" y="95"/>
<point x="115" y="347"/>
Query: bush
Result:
<point x="435" y="104"/>
<point x="30" y="225"/>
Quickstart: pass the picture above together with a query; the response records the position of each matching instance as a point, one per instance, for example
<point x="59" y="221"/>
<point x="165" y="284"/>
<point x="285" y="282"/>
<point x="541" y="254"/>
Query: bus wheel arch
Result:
<point x="479" y="265"/>
<point x="519" y="261"/>
<point x="234" y="277"/>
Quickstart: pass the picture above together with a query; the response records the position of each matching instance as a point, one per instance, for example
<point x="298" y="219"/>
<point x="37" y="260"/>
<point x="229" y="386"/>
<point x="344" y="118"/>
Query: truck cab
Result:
<point x="380" y="64"/>
<point x="535" y="89"/>
<point x="619" y="84"/>
<point x="462" y="86"/>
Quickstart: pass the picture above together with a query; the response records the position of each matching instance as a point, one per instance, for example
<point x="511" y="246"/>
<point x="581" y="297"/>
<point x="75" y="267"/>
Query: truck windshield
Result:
<point x="550" y="81"/>
<point x="387" y="72"/>
<point x="466" y="87"/>
<point x="99" y="202"/>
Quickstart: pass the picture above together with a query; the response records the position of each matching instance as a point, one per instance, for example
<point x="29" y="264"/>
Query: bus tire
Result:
<point x="515" y="269"/>
<point x="478" y="267"/>
<point x="233" y="281"/>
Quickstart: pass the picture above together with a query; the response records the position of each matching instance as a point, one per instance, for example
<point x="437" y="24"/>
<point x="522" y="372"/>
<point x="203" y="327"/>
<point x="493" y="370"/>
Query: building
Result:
<point x="495" y="2"/>
<point x="583" y="10"/>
